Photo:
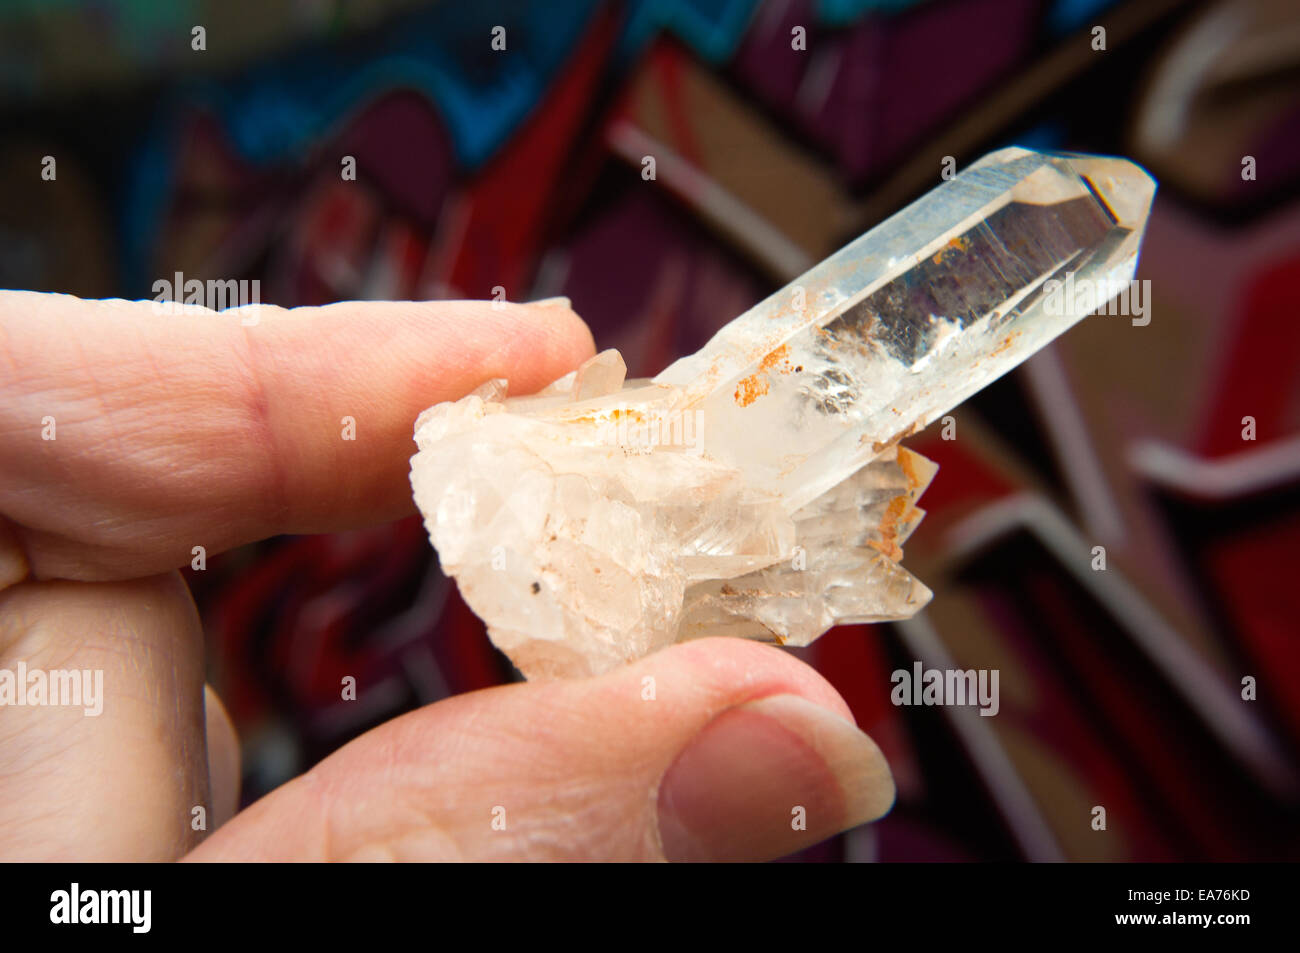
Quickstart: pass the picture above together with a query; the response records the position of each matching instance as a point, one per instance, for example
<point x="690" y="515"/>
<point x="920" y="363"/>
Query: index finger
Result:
<point x="127" y="437"/>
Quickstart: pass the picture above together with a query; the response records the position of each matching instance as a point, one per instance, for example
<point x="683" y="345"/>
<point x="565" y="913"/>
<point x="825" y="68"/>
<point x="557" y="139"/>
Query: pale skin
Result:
<point x="174" y="431"/>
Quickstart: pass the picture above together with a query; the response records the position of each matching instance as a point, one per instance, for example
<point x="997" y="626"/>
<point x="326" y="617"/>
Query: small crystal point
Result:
<point x="757" y="488"/>
<point x="601" y="376"/>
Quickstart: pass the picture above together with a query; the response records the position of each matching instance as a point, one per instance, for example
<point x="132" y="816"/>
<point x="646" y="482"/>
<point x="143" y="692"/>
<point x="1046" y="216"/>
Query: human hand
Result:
<point x="174" y="431"/>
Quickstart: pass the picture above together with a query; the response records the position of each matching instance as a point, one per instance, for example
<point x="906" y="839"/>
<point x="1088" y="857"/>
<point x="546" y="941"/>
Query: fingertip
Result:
<point x="555" y="336"/>
<point x="768" y="778"/>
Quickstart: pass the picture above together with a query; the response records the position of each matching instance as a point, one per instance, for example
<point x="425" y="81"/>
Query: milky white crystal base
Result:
<point x="585" y="544"/>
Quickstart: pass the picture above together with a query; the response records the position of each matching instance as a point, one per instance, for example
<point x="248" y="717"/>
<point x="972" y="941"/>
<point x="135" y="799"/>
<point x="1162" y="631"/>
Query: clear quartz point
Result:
<point x="757" y="488"/>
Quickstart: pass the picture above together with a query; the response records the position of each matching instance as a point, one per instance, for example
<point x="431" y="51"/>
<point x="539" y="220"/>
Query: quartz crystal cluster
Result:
<point x="758" y="488"/>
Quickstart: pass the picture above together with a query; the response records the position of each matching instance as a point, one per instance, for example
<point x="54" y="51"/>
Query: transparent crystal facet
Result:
<point x="757" y="488"/>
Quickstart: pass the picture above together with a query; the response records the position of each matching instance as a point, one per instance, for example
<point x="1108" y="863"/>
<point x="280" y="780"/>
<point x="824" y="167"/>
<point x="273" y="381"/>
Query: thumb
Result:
<point x="718" y="749"/>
